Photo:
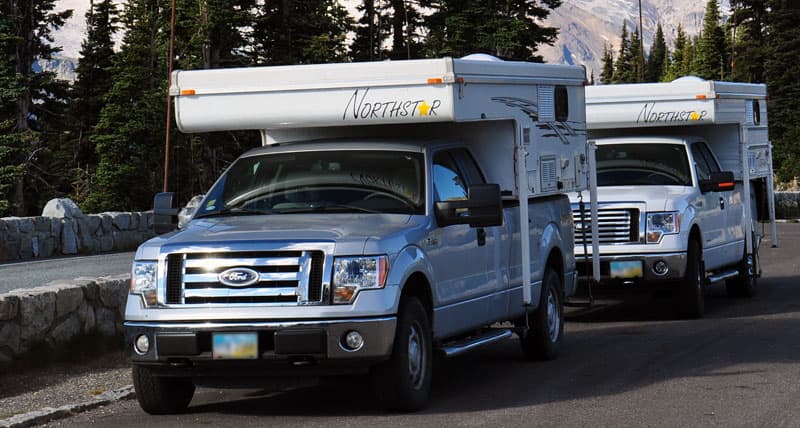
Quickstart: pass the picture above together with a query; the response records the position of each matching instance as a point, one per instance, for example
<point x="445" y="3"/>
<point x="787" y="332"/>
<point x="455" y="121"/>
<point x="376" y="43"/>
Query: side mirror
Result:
<point x="165" y="215"/>
<point x="718" y="182"/>
<point x="482" y="208"/>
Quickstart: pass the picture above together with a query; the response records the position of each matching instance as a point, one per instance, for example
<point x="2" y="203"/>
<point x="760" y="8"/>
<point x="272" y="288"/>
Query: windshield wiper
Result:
<point x="233" y="211"/>
<point x="327" y="207"/>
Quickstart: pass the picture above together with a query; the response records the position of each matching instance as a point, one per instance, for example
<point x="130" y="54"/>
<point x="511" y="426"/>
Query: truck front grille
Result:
<point x="614" y="226"/>
<point x="282" y="277"/>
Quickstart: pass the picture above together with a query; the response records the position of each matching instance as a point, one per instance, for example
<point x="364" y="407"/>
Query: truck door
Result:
<point x="718" y="209"/>
<point x="460" y="254"/>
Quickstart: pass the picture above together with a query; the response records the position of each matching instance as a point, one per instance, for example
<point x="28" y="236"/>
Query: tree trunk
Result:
<point x="23" y="11"/>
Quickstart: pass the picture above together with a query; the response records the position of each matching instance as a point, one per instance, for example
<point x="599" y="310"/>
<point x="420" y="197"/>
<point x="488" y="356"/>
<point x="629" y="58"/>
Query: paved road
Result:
<point x="622" y="365"/>
<point x="29" y="274"/>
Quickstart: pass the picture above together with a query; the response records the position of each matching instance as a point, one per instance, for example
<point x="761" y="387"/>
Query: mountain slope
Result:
<point x="585" y="25"/>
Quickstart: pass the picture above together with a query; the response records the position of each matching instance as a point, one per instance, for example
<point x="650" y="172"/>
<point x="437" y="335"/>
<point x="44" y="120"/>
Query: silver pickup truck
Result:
<point x="668" y="217"/>
<point x="326" y="258"/>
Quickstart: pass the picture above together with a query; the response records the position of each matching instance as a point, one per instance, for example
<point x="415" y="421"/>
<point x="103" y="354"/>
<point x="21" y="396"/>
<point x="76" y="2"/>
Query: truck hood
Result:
<point x="349" y="232"/>
<point x="655" y="198"/>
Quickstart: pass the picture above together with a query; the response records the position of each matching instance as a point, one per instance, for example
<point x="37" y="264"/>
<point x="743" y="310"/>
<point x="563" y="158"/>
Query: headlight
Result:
<point x="352" y="274"/>
<point x="143" y="281"/>
<point x="660" y="224"/>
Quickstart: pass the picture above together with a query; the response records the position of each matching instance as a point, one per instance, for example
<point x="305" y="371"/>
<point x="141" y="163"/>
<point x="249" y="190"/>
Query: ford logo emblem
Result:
<point x="238" y="277"/>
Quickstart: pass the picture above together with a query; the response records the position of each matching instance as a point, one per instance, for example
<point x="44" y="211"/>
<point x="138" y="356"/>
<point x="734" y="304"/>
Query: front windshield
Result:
<point x="320" y="181"/>
<point x="642" y="164"/>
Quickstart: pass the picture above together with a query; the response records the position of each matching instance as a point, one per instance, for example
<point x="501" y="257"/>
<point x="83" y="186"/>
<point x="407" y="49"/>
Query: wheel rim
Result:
<point x="553" y="319"/>
<point x="416" y="359"/>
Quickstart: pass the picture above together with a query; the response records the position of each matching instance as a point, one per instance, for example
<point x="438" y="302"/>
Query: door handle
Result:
<point x="481" y="236"/>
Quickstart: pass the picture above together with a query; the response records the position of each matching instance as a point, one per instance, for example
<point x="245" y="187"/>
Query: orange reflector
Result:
<point x="727" y="185"/>
<point x="435" y="81"/>
<point x="188" y="91"/>
<point x="700" y="97"/>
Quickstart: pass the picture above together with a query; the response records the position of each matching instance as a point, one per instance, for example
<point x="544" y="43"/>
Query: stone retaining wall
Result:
<point x="40" y="237"/>
<point x="787" y="205"/>
<point x="54" y="315"/>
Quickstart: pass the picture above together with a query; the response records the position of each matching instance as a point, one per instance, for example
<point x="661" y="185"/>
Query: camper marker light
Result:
<point x="435" y="81"/>
<point x="188" y="92"/>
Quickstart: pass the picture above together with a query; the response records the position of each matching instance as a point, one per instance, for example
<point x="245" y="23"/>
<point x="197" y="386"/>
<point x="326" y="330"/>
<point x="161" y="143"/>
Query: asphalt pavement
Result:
<point x="628" y="364"/>
<point x="35" y="273"/>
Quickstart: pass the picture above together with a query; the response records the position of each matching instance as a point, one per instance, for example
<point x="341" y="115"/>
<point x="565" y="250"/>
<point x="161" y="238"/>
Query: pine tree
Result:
<point x="689" y="51"/>
<point x="675" y="68"/>
<point x="509" y="29"/>
<point x="607" y="74"/>
<point x="405" y="21"/>
<point x="623" y="68"/>
<point x="129" y="136"/>
<point x="748" y="54"/>
<point x="783" y="78"/>
<point x="657" y="58"/>
<point x="26" y="98"/>
<point x="637" y="62"/>
<point x="301" y="32"/>
<point x="709" y="61"/>
<point x="372" y="30"/>
<point x="92" y="83"/>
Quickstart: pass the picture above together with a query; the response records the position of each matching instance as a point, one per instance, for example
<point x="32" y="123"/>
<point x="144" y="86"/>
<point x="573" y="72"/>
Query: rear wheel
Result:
<point x="159" y="395"/>
<point x="689" y="299"/>
<point x="543" y="342"/>
<point x="746" y="284"/>
<point x="403" y="383"/>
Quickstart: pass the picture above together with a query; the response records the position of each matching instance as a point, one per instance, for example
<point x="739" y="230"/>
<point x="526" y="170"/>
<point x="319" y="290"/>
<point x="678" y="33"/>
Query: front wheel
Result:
<point x="543" y="342"/>
<point x="159" y="395"/>
<point x="403" y="383"/>
<point x="689" y="299"/>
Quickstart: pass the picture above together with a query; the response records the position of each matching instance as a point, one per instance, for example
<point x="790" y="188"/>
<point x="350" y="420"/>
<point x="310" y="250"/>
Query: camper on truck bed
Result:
<point x="397" y="209"/>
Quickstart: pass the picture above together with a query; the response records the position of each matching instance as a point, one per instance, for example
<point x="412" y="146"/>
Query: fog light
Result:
<point x="142" y="344"/>
<point x="353" y="341"/>
<point x="660" y="268"/>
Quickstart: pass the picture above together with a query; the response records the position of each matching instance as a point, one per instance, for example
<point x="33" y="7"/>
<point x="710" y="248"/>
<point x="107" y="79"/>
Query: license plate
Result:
<point x="234" y="346"/>
<point x="627" y="269"/>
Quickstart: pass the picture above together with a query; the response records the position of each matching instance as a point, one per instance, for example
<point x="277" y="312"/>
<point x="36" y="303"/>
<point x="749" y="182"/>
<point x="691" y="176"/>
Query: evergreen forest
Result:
<point x="100" y="140"/>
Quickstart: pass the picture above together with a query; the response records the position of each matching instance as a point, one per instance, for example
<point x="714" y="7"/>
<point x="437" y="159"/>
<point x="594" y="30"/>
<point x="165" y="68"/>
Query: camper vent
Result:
<point x="549" y="177"/>
<point x="547" y="110"/>
<point x="749" y="119"/>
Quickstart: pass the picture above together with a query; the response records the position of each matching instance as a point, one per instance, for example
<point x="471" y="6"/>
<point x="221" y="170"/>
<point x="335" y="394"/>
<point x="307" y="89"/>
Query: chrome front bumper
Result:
<point x="186" y="343"/>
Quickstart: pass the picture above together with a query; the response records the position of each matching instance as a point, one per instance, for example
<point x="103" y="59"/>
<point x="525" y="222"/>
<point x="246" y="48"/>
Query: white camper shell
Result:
<point x="360" y="99"/>
<point x="525" y="121"/>
<point x="730" y="116"/>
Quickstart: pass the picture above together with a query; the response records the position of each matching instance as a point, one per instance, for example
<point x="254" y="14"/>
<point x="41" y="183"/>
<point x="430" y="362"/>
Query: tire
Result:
<point x="403" y="383"/>
<point x="746" y="284"/>
<point x="689" y="299"/>
<point x="543" y="341"/>
<point x="161" y="395"/>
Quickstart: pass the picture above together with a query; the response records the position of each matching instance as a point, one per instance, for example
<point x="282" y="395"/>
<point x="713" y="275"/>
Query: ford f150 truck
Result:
<point x="684" y="172"/>
<point x="397" y="209"/>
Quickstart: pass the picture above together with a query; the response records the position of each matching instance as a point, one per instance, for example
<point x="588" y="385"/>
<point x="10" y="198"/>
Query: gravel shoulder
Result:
<point x="24" y="390"/>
